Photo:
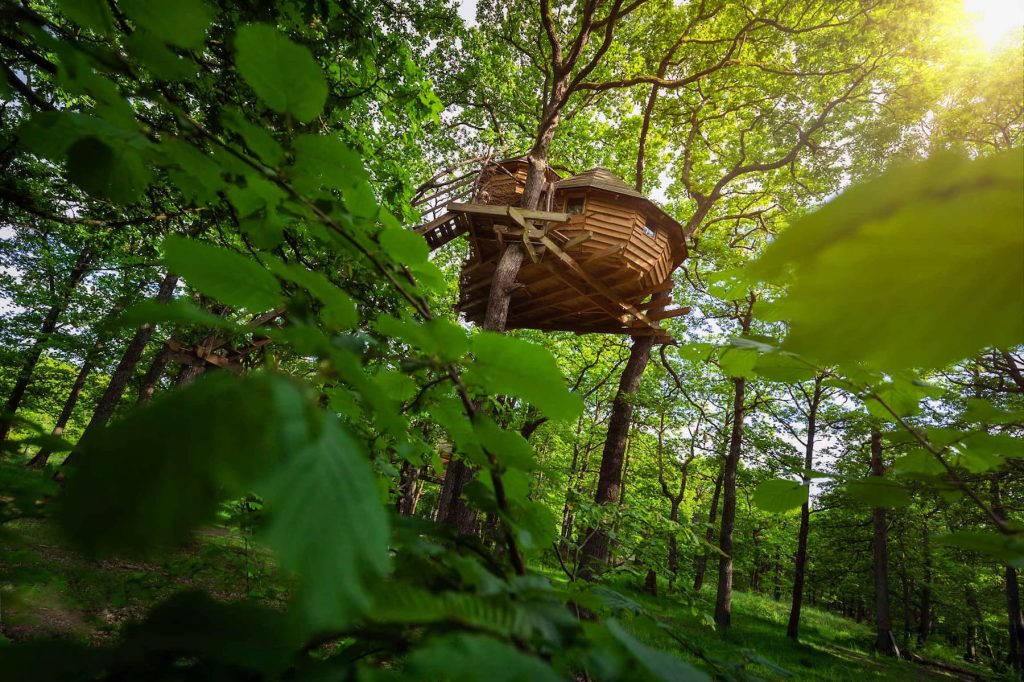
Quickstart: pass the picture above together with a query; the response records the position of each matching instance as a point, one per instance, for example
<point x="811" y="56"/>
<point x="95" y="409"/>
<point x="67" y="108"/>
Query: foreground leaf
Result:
<point x="282" y="73"/>
<point x="882" y="272"/>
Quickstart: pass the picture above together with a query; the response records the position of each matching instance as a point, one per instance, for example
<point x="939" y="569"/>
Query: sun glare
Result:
<point x="992" y="21"/>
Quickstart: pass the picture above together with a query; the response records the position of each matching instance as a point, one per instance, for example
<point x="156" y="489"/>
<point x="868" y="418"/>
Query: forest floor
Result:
<point x="47" y="590"/>
<point x="831" y="647"/>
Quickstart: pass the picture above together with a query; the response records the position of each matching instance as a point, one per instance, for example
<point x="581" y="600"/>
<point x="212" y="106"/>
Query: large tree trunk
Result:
<point x="125" y="367"/>
<point x="885" y="641"/>
<point x="800" y="568"/>
<point x="49" y="324"/>
<point x="43" y="456"/>
<point x="723" y="598"/>
<point x="709" y="534"/>
<point x="595" y="549"/>
<point x="451" y="508"/>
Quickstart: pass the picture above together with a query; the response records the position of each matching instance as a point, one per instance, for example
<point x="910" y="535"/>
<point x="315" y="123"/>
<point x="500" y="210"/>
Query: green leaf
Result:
<point x="977" y="461"/>
<point x="328" y="525"/>
<point x="196" y="174"/>
<point x="1001" y="444"/>
<point x="663" y="666"/>
<point x="175" y="312"/>
<point x="149" y="479"/>
<point x="1008" y="550"/>
<point x="92" y="14"/>
<point x="282" y="73"/>
<point x="879" y="273"/>
<point x="103" y="171"/>
<point x="259" y="141"/>
<point x="876" y="491"/>
<point x="508" y="447"/>
<point x="479" y="658"/>
<point x="162" y="62"/>
<point x="983" y="412"/>
<point x="404" y="246"/>
<point x="192" y="625"/>
<point x="181" y="23"/>
<point x="340" y="309"/>
<point x="784" y="367"/>
<point x="227" y="276"/>
<point x="361" y="201"/>
<point x="918" y="463"/>
<point x="510" y="366"/>
<point x="737" y="362"/>
<point x="322" y="160"/>
<point x="780" y="495"/>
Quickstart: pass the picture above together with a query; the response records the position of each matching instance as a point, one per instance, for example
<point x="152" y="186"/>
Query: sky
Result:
<point x="467" y="10"/>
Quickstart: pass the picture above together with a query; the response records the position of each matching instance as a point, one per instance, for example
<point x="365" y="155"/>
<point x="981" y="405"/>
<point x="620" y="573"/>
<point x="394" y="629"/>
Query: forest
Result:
<point x="508" y="340"/>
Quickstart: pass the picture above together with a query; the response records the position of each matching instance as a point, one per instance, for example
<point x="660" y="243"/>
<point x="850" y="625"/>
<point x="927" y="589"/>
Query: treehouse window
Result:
<point x="574" y="205"/>
<point x="649" y="230"/>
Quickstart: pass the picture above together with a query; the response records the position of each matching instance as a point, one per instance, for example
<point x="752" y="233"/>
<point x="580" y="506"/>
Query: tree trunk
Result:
<point x="153" y="374"/>
<point x="1015" y="621"/>
<point x="451" y="508"/>
<point x="673" y="543"/>
<point x="709" y="534"/>
<point x="43" y="456"/>
<point x="885" y="641"/>
<point x="625" y="466"/>
<point x="595" y="549"/>
<point x="1014" y="616"/>
<point x="651" y="583"/>
<point x="49" y="324"/>
<point x="125" y="368"/>
<point x="723" y="597"/>
<point x="924" y="627"/>
<point x="800" y="564"/>
<point x="409" y="489"/>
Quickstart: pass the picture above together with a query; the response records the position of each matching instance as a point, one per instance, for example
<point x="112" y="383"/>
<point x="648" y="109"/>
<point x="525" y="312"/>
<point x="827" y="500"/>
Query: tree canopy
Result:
<point x="225" y="340"/>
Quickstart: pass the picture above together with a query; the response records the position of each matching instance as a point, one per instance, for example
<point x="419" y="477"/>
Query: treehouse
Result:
<point x="598" y="258"/>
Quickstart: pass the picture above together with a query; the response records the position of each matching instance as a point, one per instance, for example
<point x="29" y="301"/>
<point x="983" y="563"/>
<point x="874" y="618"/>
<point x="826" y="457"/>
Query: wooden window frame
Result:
<point x="582" y="196"/>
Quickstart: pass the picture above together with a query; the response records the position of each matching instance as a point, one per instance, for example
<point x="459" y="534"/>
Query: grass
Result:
<point x="48" y="590"/>
<point x="831" y="647"/>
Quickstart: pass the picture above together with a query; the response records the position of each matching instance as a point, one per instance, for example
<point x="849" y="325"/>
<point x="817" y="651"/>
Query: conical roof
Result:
<point x="599" y="178"/>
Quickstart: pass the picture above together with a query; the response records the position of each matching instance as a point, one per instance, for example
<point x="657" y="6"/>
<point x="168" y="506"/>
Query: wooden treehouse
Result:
<point x="599" y="258"/>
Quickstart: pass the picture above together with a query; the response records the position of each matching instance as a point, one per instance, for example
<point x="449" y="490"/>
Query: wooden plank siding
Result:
<point x="596" y="284"/>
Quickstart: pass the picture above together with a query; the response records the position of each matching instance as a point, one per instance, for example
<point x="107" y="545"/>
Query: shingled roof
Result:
<point x="599" y="178"/>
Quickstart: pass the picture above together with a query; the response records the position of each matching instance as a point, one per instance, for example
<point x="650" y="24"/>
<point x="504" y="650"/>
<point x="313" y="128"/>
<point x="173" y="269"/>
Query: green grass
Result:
<point x="831" y="647"/>
<point x="46" y="589"/>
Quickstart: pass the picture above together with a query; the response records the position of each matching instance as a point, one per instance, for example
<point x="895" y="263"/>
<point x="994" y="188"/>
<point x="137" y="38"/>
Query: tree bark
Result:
<point x="709" y="534"/>
<point x="28" y="367"/>
<point x="43" y="456"/>
<point x="723" y="597"/>
<point x="125" y="368"/>
<point x="885" y="641"/>
<point x="595" y="549"/>
<point x="451" y="508"/>
<point x="924" y="628"/>
<point x="1014" y="615"/>
<point x="153" y="374"/>
<point x="409" y="489"/>
<point x="800" y="563"/>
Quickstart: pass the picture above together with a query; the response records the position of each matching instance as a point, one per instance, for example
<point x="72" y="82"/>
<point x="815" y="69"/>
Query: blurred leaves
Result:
<point x="882" y="273"/>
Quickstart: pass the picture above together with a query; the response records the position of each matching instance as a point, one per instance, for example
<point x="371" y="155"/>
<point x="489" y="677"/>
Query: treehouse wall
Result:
<point x="598" y="254"/>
